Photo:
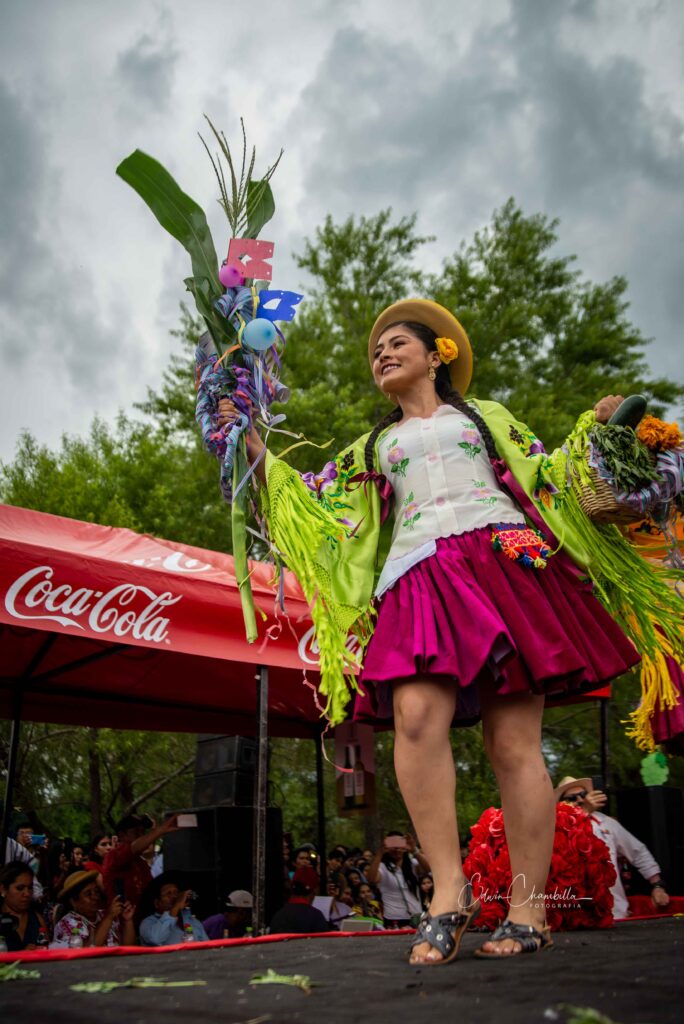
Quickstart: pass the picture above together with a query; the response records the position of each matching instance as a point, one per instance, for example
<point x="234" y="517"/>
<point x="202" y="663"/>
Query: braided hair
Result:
<point x="446" y="391"/>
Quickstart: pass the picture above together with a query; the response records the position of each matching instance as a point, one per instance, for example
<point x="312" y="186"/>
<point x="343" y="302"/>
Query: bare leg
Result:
<point x="512" y="735"/>
<point x="424" y="763"/>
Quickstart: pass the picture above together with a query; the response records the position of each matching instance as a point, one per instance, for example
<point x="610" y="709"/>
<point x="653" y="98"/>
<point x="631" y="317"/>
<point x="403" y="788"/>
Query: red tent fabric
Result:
<point x="105" y="627"/>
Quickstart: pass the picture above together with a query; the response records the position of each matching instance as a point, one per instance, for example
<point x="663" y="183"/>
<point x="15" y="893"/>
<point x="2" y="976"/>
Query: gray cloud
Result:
<point x="48" y="313"/>
<point x="522" y="111"/>
<point x="145" y="70"/>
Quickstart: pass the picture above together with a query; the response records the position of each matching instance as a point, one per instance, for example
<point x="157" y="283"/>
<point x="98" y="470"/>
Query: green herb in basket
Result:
<point x="628" y="461"/>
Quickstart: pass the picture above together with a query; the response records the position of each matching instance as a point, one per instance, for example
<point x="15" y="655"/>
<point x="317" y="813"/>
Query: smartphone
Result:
<point x="186" y="821"/>
<point x="38" y="840"/>
<point x="598" y="783"/>
<point x="395" y="843"/>
<point x="119" y="889"/>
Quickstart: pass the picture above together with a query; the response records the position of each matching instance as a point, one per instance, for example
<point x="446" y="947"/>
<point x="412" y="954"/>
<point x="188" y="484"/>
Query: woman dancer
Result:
<point x="472" y="623"/>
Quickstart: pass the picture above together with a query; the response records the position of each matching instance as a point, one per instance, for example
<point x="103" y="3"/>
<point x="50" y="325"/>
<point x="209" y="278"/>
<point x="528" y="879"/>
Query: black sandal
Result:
<point x="531" y="940"/>
<point x="445" y="931"/>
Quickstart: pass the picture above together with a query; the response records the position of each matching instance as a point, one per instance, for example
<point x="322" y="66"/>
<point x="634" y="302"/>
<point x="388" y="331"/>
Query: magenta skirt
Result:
<point x="468" y="613"/>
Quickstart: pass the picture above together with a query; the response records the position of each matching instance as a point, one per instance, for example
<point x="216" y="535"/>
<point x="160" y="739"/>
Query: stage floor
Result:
<point x="633" y="973"/>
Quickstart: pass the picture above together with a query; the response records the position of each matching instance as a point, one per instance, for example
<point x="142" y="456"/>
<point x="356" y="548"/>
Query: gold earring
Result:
<point x="432" y="374"/>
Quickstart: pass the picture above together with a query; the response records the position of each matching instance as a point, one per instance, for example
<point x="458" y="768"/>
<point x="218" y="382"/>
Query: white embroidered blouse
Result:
<point x="443" y="485"/>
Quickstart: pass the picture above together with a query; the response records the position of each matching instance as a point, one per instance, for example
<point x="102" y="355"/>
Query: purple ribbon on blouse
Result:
<point x="384" y="490"/>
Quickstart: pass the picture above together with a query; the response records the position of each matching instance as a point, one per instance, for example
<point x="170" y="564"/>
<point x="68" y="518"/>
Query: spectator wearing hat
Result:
<point x="171" y="920"/>
<point x="26" y="927"/>
<point x="124" y="866"/>
<point x="619" y="841"/>
<point x="83" y="916"/>
<point x="235" y="919"/>
<point x="298" y="916"/>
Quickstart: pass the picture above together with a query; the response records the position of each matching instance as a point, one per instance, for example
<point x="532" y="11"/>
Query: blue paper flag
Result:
<point x="285" y="304"/>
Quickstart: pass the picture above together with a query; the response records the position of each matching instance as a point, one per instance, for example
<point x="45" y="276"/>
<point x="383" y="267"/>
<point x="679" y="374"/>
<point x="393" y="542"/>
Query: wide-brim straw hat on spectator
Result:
<point x="76" y="880"/>
<point x="568" y="782"/>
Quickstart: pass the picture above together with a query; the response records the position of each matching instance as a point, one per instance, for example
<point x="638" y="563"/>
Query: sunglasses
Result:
<point x="574" y="797"/>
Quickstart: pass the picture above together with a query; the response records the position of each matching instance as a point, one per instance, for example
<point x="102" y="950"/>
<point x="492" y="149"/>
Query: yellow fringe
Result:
<point x="657" y="693"/>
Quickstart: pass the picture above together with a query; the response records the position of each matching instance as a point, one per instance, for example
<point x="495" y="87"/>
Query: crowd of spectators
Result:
<point x="389" y="888"/>
<point x="114" y="890"/>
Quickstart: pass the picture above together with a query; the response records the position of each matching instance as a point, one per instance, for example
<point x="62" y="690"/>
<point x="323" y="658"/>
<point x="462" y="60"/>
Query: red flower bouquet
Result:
<point x="578" y="887"/>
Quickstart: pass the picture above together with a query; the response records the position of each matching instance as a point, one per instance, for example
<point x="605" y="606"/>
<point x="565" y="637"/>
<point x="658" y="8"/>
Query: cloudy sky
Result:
<point x="444" y="107"/>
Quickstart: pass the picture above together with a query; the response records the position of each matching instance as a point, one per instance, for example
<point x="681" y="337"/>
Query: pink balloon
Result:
<point x="231" y="276"/>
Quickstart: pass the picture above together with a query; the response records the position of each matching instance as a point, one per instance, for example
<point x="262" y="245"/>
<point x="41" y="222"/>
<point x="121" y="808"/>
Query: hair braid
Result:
<point x="451" y="396"/>
<point x="386" y="421"/>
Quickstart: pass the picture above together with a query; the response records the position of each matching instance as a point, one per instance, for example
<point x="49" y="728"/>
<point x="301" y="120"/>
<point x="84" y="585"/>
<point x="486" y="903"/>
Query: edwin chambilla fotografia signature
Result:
<point x="558" y="899"/>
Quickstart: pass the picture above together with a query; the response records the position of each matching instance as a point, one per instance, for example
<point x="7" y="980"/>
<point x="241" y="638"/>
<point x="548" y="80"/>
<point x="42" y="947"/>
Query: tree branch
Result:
<point x="159" y="785"/>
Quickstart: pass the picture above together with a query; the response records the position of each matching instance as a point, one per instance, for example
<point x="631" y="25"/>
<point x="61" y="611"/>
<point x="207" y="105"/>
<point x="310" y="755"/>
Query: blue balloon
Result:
<point x="259" y="334"/>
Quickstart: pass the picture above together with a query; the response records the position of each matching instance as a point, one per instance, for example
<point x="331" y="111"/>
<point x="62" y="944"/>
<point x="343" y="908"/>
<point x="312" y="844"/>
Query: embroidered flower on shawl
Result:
<point x="319" y="482"/>
<point x="545" y="492"/>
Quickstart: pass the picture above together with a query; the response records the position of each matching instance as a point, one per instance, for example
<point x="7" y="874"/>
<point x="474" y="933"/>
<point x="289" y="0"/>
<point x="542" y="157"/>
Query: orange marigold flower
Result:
<point x="448" y="349"/>
<point x="657" y="435"/>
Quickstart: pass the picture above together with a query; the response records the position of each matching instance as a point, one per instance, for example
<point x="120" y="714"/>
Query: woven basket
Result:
<point x="600" y="504"/>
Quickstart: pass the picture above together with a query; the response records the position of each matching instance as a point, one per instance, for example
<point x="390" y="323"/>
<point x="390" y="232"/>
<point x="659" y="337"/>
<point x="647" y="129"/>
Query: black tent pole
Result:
<point x="17" y="701"/>
<point x="603" y="704"/>
<point x="260" y="803"/>
<point x="320" y="807"/>
<point x="11" y="770"/>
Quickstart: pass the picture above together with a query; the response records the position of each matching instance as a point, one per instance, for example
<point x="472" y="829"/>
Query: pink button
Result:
<point x="432" y="457"/>
<point x="440" y="501"/>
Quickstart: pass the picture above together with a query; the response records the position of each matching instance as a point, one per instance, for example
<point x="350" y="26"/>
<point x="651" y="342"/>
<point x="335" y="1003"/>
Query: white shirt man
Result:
<point x="619" y="841"/>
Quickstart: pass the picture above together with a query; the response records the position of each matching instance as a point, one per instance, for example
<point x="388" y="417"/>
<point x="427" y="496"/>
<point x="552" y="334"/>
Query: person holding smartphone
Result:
<point x="393" y="872"/>
<point x="125" y="864"/>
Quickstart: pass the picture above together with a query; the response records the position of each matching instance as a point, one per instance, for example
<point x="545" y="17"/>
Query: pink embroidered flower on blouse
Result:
<point x="395" y="455"/>
<point x="470" y="436"/>
<point x="410" y="510"/>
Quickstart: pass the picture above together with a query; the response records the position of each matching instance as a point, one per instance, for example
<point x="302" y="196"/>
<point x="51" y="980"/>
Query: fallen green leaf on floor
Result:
<point x="109" y="986"/>
<point x="13" y="972"/>
<point x="581" y="1015"/>
<point x="272" y="978"/>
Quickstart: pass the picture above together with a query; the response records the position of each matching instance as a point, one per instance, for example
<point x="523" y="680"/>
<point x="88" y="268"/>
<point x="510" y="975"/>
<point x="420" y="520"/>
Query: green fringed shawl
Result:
<point x="337" y="564"/>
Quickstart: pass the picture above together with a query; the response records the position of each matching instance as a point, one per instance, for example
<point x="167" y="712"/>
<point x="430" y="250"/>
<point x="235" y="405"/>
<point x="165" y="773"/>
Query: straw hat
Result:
<point x="441" y="321"/>
<point x="76" y="880"/>
<point x="568" y="782"/>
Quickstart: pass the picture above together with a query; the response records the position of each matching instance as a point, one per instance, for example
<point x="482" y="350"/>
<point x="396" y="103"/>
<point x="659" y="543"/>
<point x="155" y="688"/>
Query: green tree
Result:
<point x="126" y="475"/>
<point x="356" y="269"/>
<point x="547" y="343"/>
<point x="74" y="781"/>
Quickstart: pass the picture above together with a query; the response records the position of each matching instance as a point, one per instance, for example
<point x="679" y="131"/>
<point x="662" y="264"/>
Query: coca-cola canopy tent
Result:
<point x="104" y="627"/>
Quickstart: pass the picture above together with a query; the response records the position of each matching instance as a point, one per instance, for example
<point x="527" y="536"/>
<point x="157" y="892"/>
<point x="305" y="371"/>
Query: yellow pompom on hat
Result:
<point x="443" y="323"/>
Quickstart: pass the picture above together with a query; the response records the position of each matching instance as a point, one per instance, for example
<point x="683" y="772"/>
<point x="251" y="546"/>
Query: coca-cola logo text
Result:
<point x="125" y="610"/>
<point x="308" y="649"/>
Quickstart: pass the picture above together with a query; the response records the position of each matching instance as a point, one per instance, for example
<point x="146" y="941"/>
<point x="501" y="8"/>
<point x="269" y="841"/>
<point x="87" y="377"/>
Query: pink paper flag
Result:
<point x="252" y="255"/>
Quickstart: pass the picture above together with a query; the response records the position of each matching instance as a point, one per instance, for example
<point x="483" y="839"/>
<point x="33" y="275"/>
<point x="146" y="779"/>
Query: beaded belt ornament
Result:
<point x="521" y="544"/>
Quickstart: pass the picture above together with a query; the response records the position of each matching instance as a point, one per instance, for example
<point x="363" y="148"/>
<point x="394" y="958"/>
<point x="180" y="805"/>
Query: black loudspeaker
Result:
<point x="217" y="857"/>
<point x="655" y="815"/>
<point x="224" y="771"/>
